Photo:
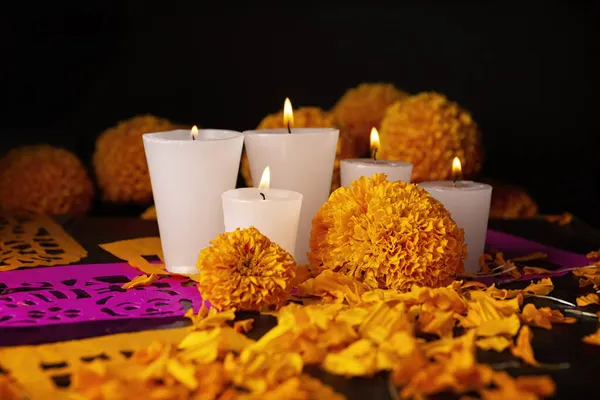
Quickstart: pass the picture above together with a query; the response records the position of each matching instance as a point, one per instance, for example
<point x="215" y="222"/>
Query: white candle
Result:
<point x="301" y="161"/>
<point x="188" y="177"/>
<point x="352" y="169"/>
<point x="469" y="206"/>
<point x="275" y="215"/>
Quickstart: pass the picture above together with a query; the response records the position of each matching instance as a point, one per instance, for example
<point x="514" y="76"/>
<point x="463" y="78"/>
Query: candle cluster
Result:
<point x="196" y="202"/>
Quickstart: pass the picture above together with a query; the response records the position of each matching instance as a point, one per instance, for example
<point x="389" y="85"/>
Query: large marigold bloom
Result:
<point x="387" y="235"/>
<point x="510" y="201"/>
<point x="44" y="180"/>
<point x="428" y="131"/>
<point x="362" y="108"/>
<point x="120" y="160"/>
<point x="306" y="117"/>
<point x="245" y="270"/>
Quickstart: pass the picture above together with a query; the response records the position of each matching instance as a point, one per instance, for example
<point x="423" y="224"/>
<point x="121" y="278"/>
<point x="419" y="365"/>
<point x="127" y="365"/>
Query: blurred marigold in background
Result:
<point x="510" y="201"/>
<point x="43" y="179"/>
<point x="428" y="131"/>
<point x="388" y="235"/>
<point x="362" y="108"/>
<point x="120" y="161"/>
<point x="306" y="117"/>
<point x="244" y="270"/>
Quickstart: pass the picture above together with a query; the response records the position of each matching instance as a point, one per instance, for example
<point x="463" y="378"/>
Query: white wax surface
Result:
<point x="188" y="177"/>
<point x="302" y="162"/>
<point x="276" y="217"/>
<point x="352" y="169"/>
<point x="469" y="206"/>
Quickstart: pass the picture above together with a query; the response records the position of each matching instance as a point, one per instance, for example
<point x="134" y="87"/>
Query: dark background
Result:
<point x="524" y="70"/>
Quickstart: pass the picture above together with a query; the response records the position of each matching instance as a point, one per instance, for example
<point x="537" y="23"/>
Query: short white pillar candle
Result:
<point x="301" y="161"/>
<point x="469" y="206"/>
<point x="274" y="212"/>
<point x="352" y="169"/>
<point x="188" y="177"/>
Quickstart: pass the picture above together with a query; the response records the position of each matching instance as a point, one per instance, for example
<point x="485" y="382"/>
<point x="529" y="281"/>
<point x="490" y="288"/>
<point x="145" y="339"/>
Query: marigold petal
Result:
<point x="591" y="298"/>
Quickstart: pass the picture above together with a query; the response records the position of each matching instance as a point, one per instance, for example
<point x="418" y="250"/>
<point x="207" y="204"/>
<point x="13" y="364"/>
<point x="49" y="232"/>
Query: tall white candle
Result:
<point x="301" y="161"/>
<point x="188" y="177"/>
<point x="274" y="212"/>
<point x="352" y="169"/>
<point x="469" y="206"/>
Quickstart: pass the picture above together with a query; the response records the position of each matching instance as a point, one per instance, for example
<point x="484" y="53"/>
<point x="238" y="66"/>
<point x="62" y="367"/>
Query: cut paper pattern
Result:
<point x="34" y="241"/>
<point x="134" y="252"/>
<point x="45" y="370"/>
<point x="80" y="293"/>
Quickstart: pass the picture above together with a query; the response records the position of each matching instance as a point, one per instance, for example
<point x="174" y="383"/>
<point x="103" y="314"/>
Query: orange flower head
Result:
<point x="387" y="235"/>
<point x="44" y="180"/>
<point x="245" y="270"/>
<point x="511" y="202"/>
<point x="428" y="131"/>
<point x="306" y="117"/>
<point x="120" y="160"/>
<point x="362" y="108"/>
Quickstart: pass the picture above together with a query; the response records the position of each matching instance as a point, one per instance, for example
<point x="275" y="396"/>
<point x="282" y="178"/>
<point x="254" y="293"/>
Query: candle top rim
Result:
<point x="184" y="135"/>
<point x="279" y="194"/>
<point x="295" y="131"/>
<point x="460" y="186"/>
<point x="370" y="162"/>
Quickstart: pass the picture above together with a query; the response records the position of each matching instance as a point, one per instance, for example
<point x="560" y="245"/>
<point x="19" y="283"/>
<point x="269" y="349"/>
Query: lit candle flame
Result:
<point x="288" y="114"/>
<point x="374" y="142"/>
<point x="456" y="169"/>
<point x="265" y="180"/>
<point x="194" y="132"/>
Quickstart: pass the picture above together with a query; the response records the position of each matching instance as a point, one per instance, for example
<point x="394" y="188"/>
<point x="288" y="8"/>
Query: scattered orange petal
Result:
<point x="206" y="318"/>
<point x="544" y="317"/>
<point x="496" y="343"/>
<point x="541" y="288"/>
<point x="333" y="287"/>
<point x="530" y="257"/>
<point x="522" y="348"/>
<point x="593" y="254"/>
<point x="593" y="338"/>
<point x="560" y="219"/>
<point x="142" y="280"/>
<point x="591" y="298"/>
<point x="536" y="271"/>
<point x="523" y="387"/>
<point x="243" y="325"/>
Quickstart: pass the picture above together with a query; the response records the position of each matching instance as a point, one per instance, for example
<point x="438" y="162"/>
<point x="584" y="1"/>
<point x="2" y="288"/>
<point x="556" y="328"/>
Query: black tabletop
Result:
<point x="560" y="345"/>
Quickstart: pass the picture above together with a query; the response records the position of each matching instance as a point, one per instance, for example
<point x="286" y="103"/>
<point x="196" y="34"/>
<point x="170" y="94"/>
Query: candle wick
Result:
<point x="263" y="196"/>
<point x="289" y="127"/>
<point x="375" y="154"/>
<point x="193" y="137"/>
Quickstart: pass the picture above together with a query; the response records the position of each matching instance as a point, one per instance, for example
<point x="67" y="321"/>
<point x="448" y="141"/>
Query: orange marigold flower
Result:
<point x="362" y="108"/>
<point x="428" y="131"/>
<point x="245" y="270"/>
<point x="306" y="117"/>
<point x="120" y="160"/>
<point x="387" y="235"/>
<point x="510" y="201"/>
<point x="44" y="180"/>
